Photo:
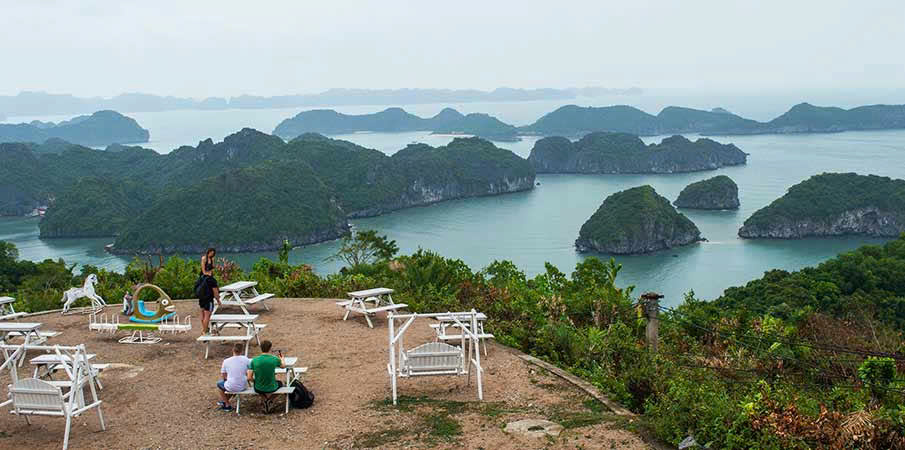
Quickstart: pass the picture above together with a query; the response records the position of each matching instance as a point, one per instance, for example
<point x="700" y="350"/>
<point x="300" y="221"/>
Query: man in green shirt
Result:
<point x="262" y="372"/>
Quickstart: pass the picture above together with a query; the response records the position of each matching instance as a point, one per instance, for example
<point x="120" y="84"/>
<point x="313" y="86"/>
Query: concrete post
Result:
<point x="651" y="302"/>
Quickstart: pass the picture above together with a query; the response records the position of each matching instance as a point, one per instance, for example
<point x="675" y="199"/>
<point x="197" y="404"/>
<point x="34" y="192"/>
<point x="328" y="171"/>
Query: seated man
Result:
<point x="262" y="372"/>
<point x="233" y="372"/>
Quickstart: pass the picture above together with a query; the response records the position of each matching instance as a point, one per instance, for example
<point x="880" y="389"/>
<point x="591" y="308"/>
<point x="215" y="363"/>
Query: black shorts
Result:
<point x="206" y="304"/>
<point x="279" y="385"/>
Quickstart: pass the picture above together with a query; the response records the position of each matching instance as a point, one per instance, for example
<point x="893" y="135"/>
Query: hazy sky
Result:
<point x="222" y="48"/>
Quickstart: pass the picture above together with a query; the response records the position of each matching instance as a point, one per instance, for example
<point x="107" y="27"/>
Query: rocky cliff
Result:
<point x="625" y="153"/>
<point x="636" y="220"/>
<point x="833" y="204"/>
<point x="719" y="192"/>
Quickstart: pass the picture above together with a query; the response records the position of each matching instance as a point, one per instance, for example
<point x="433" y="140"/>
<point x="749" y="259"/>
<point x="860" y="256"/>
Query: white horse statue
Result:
<point x="70" y="296"/>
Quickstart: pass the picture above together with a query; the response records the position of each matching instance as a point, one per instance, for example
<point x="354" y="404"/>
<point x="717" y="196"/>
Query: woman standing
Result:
<point x="210" y="291"/>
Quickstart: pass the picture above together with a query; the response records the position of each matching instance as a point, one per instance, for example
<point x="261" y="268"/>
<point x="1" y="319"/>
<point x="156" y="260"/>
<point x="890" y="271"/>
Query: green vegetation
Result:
<point x="719" y="192"/>
<point x="574" y="120"/>
<point x="172" y="202"/>
<point x="636" y="220"/>
<point x="813" y="206"/>
<point x="802" y="359"/>
<point x="807" y="118"/>
<point x="94" y="207"/>
<point x="625" y="153"/>
<point x="394" y="120"/>
<point x="100" y="128"/>
<point x="482" y="125"/>
<point x="279" y="201"/>
<point x="418" y="174"/>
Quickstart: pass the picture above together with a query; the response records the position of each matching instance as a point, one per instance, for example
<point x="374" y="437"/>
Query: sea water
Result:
<point x="541" y="225"/>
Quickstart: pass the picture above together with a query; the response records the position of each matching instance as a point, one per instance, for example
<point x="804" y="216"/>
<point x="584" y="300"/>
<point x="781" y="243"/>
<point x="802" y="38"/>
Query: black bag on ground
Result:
<point x="300" y="397"/>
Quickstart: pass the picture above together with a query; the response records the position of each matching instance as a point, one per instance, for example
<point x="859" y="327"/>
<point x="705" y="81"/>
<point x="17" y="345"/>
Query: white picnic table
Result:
<point x="7" y="311"/>
<point x="447" y="321"/>
<point x="381" y="299"/>
<point x="242" y="294"/>
<point x="27" y="329"/>
<point x="222" y="321"/>
<point x="50" y="361"/>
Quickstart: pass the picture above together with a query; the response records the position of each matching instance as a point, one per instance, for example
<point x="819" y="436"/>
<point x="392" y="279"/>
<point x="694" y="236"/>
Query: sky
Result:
<point x="225" y="48"/>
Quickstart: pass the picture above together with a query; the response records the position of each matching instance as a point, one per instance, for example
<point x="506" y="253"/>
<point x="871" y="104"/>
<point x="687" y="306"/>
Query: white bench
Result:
<point x="43" y="334"/>
<point x="257" y="299"/>
<point x="207" y="339"/>
<point x="12" y="316"/>
<point x="359" y="307"/>
<point x="285" y="390"/>
<point x="258" y="326"/>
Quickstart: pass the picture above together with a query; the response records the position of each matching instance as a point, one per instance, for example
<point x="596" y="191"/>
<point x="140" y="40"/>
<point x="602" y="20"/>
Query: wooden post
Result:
<point x="651" y="302"/>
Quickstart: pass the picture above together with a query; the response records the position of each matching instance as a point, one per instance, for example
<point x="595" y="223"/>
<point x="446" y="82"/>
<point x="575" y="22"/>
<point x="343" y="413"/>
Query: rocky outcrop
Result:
<point x="626" y="153"/>
<point x="870" y="221"/>
<point x="422" y="192"/>
<point x="636" y="220"/>
<point x="719" y="192"/>
<point x="833" y="204"/>
<point x="99" y="129"/>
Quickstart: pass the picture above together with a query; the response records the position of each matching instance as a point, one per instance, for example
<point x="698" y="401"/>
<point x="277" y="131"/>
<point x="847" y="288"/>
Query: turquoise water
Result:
<point x="533" y="227"/>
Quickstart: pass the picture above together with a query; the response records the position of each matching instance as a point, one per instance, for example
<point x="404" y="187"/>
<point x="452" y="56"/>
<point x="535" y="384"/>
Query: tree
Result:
<point x="283" y="254"/>
<point x="365" y="247"/>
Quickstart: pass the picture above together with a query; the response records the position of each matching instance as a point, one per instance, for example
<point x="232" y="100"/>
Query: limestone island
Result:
<point x="605" y="152"/>
<point x="574" y="121"/>
<point x="99" y="129"/>
<point x="637" y="220"/>
<point x="833" y="204"/>
<point x="150" y="202"/>
<point x="719" y="192"/>
<point x="396" y="120"/>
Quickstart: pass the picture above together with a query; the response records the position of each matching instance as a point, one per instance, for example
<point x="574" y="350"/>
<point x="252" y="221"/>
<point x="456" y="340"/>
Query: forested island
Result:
<point x="395" y="120"/>
<point x="637" y="220"/>
<point x="605" y="152"/>
<point x="187" y="199"/>
<point x="719" y="192"/>
<point x="98" y="129"/>
<point x="833" y="204"/>
<point x="573" y="121"/>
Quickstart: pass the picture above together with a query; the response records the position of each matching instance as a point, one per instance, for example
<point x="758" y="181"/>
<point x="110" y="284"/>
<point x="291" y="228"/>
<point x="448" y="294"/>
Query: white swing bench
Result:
<point x="36" y="397"/>
<point x="435" y="358"/>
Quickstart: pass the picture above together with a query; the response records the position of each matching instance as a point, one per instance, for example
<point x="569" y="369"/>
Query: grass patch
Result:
<point x="496" y="409"/>
<point x="379" y="438"/>
<point x="593" y="413"/>
<point x="443" y="426"/>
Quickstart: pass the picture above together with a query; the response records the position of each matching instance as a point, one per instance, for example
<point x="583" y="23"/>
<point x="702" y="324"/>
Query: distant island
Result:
<point x="98" y="129"/>
<point x="573" y="121"/>
<point x="833" y="204"/>
<point x="152" y="202"/>
<point x="41" y="103"/>
<point x="605" y="152"/>
<point x="637" y="220"/>
<point x="719" y="192"/>
<point x="395" y="120"/>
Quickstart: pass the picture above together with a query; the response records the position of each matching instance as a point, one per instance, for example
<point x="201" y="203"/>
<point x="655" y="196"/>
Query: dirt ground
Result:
<point x="164" y="395"/>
